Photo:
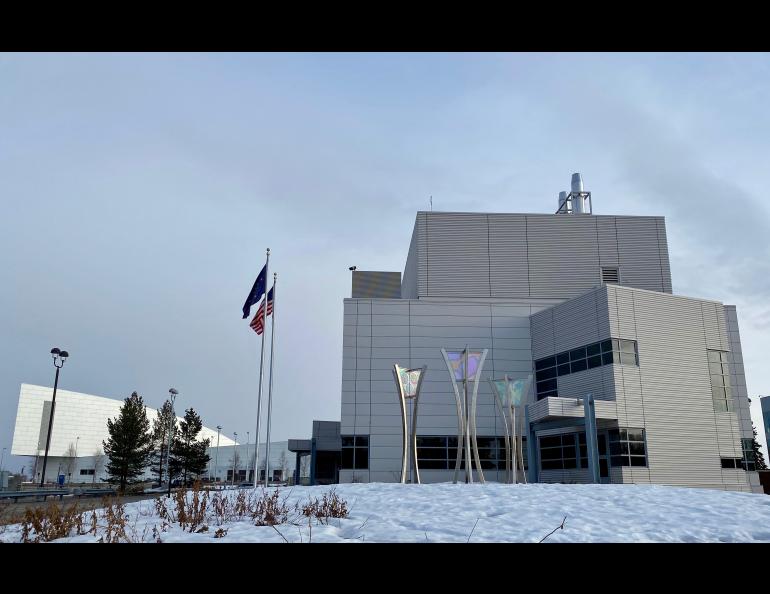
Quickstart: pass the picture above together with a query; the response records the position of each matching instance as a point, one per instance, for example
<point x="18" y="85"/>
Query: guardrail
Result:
<point x="44" y="493"/>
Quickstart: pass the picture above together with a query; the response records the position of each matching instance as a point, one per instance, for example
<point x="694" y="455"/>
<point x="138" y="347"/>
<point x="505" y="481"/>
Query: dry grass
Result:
<point x="192" y="510"/>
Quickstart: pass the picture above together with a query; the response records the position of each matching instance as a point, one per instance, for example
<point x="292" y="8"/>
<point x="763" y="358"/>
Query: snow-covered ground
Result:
<point x="495" y="513"/>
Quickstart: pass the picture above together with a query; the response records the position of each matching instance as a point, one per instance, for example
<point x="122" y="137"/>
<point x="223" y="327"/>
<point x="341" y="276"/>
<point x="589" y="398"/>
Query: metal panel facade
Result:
<point x="534" y="255"/>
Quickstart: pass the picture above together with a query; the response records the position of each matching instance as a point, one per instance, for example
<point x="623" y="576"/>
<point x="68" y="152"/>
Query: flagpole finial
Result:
<point x="268" y="251"/>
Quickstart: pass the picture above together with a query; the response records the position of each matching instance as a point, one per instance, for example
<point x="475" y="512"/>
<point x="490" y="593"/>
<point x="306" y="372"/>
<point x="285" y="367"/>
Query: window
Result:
<point x="606" y="352"/>
<point x="627" y="447"/>
<point x="732" y="462"/>
<point x="355" y="452"/>
<point x="439" y="452"/>
<point x="610" y="275"/>
<point x="749" y="459"/>
<point x="86" y="471"/>
<point x="719" y="372"/>
<point x="558" y="452"/>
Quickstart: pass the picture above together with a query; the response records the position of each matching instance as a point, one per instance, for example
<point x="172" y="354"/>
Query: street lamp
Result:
<point x="59" y="357"/>
<point x="1" y="467"/>
<point x="216" y="457"/>
<point x="173" y="393"/>
<point x="235" y="454"/>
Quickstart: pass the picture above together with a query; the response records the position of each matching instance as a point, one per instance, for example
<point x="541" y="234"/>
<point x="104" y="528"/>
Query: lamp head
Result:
<point x="55" y="351"/>
<point x="64" y="354"/>
<point x="173" y="392"/>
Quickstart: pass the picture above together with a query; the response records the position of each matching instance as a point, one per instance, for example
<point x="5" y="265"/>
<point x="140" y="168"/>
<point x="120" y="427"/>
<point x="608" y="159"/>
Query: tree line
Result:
<point x="134" y="444"/>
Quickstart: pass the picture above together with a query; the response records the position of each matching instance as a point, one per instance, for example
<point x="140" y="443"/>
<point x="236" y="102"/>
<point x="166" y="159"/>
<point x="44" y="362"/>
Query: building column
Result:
<point x="532" y="463"/>
<point x="296" y="468"/>
<point x="312" y="461"/>
<point x="592" y="443"/>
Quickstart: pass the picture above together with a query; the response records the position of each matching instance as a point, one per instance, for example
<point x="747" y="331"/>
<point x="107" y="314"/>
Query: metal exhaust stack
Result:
<point x="578" y="201"/>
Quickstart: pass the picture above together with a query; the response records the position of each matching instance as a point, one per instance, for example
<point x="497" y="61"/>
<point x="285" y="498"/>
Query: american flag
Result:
<point x="258" y="323"/>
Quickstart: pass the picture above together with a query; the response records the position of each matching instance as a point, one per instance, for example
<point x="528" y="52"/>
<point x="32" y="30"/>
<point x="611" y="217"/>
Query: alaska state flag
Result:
<point x="256" y="292"/>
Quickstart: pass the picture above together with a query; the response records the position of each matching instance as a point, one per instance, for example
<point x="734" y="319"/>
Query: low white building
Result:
<point x="80" y="420"/>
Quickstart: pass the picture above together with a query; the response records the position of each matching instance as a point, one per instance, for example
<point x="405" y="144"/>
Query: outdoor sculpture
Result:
<point x="465" y="366"/>
<point x="409" y="382"/>
<point x="511" y="394"/>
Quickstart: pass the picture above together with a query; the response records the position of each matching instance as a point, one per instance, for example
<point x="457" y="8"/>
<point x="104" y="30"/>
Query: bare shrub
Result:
<point x="269" y="510"/>
<point x="116" y="521"/>
<point x="191" y="511"/>
<point x="330" y="506"/>
<point x="221" y="532"/>
<point x="49" y="523"/>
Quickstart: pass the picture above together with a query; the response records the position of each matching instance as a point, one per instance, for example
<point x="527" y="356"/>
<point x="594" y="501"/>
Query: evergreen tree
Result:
<point x="130" y="443"/>
<point x="188" y="456"/>
<point x="160" y="426"/>
<point x="759" y="458"/>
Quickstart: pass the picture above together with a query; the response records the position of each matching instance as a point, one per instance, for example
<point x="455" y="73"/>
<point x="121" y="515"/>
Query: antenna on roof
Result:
<point x="431" y="203"/>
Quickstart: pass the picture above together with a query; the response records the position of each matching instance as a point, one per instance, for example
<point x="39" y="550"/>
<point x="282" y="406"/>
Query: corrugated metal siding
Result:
<point x="745" y="427"/>
<point x="607" y="238"/>
<point x="669" y="394"/>
<point x="423" y="239"/>
<point x="458" y="255"/>
<point x="640" y="253"/>
<point x="665" y="264"/>
<point x="541" y="256"/>
<point x="672" y="397"/>
<point x="508" y="255"/>
<point x="409" y="279"/>
<point x="563" y="255"/>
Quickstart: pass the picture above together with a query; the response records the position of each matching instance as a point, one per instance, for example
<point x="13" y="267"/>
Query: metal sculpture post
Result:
<point x="511" y="394"/>
<point x="409" y="382"/>
<point x="465" y="366"/>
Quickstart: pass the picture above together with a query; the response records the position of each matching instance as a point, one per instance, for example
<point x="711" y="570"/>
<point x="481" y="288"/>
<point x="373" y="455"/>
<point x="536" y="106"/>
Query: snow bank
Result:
<point x="501" y="513"/>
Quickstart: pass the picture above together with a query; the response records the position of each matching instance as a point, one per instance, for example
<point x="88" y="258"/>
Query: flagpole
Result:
<point x="270" y="383"/>
<point x="259" y="398"/>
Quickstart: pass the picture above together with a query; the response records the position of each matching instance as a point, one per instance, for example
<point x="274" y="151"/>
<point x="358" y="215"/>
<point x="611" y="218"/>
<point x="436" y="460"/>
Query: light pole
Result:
<point x="59" y="357"/>
<point x="173" y="393"/>
<point x="235" y="454"/>
<point x="247" y="456"/>
<point x="216" y="457"/>
<point x="1" y="468"/>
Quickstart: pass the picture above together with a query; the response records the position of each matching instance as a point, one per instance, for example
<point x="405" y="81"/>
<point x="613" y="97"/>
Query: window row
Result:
<point x="439" y="452"/>
<point x="569" y="450"/>
<point x="355" y="452"/>
<point x="606" y="352"/>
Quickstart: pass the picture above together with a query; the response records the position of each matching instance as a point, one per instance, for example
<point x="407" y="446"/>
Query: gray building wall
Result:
<point x="532" y="255"/>
<point x="379" y="333"/>
<point x="669" y="394"/>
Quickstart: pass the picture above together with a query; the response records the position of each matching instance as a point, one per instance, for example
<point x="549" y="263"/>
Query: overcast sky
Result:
<point x="139" y="193"/>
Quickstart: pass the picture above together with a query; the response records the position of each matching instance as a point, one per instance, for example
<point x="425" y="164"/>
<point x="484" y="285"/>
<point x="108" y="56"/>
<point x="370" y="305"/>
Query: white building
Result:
<point x="80" y="420"/>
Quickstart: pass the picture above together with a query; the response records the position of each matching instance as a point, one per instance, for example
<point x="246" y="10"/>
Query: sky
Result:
<point x="138" y="193"/>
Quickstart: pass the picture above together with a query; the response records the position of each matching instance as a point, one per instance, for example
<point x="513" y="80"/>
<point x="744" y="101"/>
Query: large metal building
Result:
<point x="582" y="302"/>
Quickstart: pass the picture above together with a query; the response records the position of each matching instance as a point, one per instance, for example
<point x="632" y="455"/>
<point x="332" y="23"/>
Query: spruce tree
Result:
<point x="188" y="456"/>
<point x="759" y="458"/>
<point x="130" y="443"/>
<point x="160" y="427"/>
